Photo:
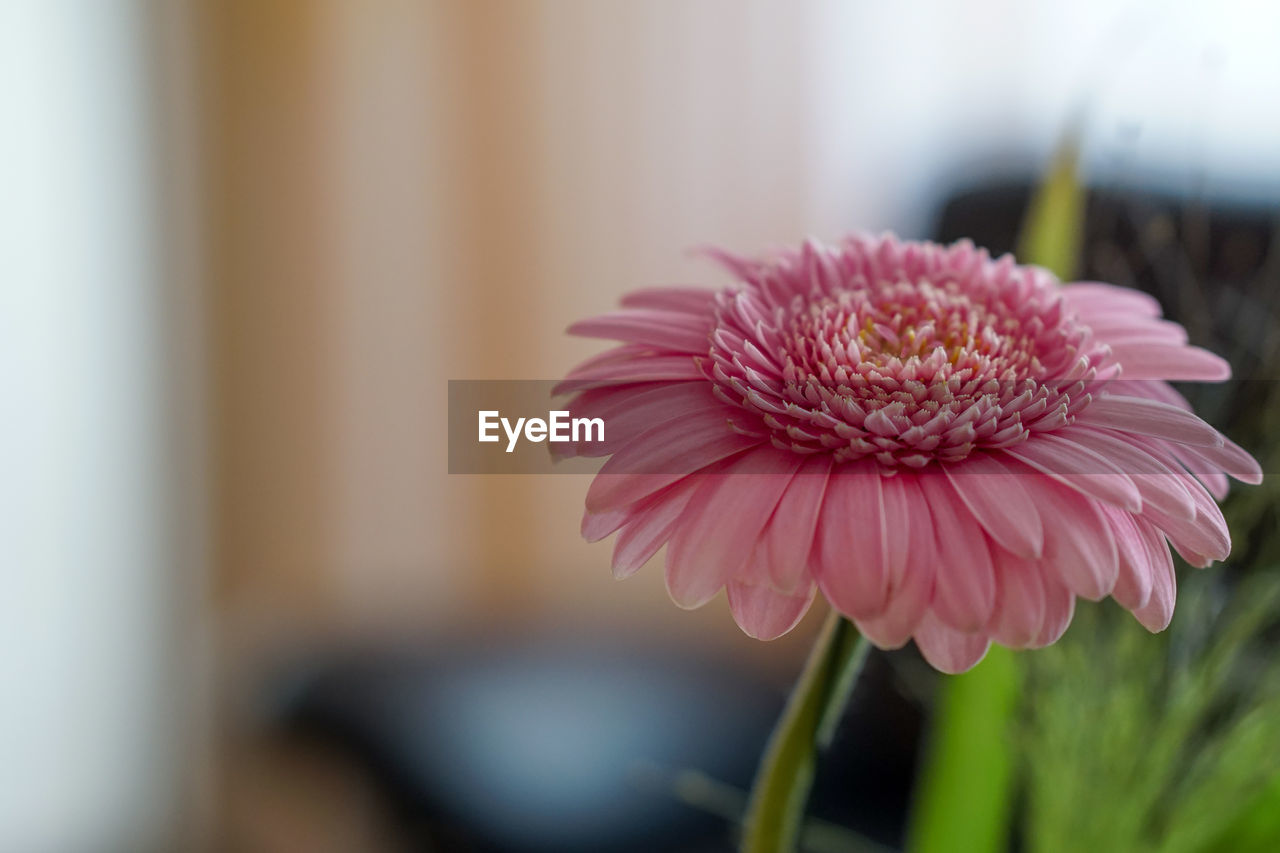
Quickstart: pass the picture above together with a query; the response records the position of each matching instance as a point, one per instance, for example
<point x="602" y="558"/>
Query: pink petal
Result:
<point x="1079" y="548"/>
<point x="621" y="354"/>
<point x="1127" y="329"/>
<point x="697" y="301"/>
<point x="900" y="502"/>
<point x="764" y="613"/>
<point x="999" y="502"/>
<point x="1157" y="483"/>
<point x="1195" y="473"/>
<point x="668" y="330"/>
<point x="947" y="649"/>
<point x="911" y="589"/>
<point x="852" y="539"/>
<point x="1020" y="600"/>
<point x="598" y="525"/>
<point x="664" y="454"/>
<point x="1079" y="468"/>
<point x="788" y="542"/>
<point x="740" y="267"/>
<point x="631" y="411"/>
<point x="1133" y="584"/>
<point x="1090" y="298"/>
<point x="602" y="403"/>
<point x="1158" y="611"/>
<point x="1230" y="459"/>
<point x="1161" y="361"/>
<point x="718" y="532"/>
<point x="892" y="628"/>
<point x="649" y="368"/>
<point x="1215" y="481"/>
<point x="1059" y="607"/>
<point x="651" y="527"/>
<point x="1149" y="389"/>
<point x="965" y="582"/>
<point x="1199" y="540"/>
<point x="1149" y="417"/>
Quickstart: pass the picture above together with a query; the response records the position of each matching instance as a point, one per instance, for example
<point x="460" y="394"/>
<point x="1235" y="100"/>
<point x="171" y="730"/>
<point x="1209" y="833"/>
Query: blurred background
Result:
<point x="246" y="243"/>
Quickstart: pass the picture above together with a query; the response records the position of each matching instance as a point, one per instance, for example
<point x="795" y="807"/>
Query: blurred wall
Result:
<point x="401" y="193"/>
<point x="100" y="497"/>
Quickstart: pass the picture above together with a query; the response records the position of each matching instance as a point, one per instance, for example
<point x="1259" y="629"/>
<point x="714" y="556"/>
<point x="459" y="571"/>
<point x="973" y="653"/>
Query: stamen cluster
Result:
<point x="907" y="358"/>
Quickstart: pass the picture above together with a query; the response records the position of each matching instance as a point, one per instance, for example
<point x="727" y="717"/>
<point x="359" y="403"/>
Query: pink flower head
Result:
<point x="951" y="448"/>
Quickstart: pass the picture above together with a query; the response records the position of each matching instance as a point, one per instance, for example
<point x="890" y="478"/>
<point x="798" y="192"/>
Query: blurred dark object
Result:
<point x="554" y="746"/>
<point x="1215" y="267"/>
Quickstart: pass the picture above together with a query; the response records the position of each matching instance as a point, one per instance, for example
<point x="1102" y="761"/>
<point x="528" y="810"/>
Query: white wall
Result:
<point x="914" y="96"/>
<point x="87" y="527"/>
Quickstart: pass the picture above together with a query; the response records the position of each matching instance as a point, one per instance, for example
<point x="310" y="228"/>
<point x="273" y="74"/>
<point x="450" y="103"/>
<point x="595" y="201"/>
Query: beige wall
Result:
<point x="402" y="193"/>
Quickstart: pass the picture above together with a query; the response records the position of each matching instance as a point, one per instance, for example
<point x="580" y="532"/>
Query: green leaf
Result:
<point x="1053" y="228"/>
<point x="963" y="798"/>
<point x="775" y="812"/>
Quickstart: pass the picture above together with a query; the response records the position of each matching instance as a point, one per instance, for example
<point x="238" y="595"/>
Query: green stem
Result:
<point x="775" y="812"/>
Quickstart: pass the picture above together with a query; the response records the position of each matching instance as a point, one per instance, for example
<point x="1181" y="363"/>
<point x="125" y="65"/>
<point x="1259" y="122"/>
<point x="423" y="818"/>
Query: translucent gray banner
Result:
<point x="523" y="427"/>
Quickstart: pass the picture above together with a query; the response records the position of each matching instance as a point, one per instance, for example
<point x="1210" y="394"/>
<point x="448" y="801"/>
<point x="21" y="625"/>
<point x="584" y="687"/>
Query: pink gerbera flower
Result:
<point x="951" y="448"/>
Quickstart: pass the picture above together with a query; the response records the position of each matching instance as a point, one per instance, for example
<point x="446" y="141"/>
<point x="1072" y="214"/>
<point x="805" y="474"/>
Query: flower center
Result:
<point x="908" y="372"/>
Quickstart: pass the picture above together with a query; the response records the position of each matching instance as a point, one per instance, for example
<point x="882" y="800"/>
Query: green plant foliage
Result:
<point x="1166" y="743"/>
